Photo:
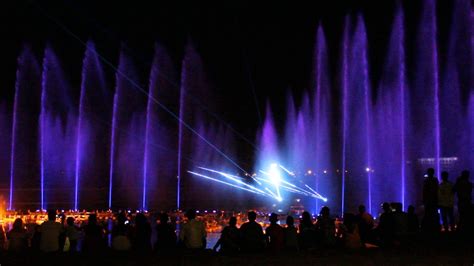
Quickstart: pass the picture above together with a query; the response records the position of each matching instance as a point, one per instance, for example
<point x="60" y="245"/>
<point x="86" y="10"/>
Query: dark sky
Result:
<point x="266" y="48"/>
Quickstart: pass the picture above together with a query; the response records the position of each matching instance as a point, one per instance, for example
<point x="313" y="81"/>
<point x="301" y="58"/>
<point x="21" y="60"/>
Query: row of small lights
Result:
<point x="310" y="172"/>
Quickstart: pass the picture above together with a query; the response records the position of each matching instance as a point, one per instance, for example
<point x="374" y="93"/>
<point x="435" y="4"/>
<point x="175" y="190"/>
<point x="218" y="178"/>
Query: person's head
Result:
<point x="18" y="224"/>
<point x="70" y="221"/>
<point x="92" y="220"/>
<point x="121" y="218"/>
<point x="411" y="209"/>
<point x="290" y="221"/>
<point x="273" y="218"/>
<point x="52" y="215"/>
<point x="349" y="218"/>
<point x="233" y="221"/>
<point x="430" y="172"/>
<point x="397" y="206"/>
<point x="163" y="218"/>
<point x="465" y="174"/>
<point x="140" y="219"/>
<point x="191" y="214"/>
<point x="361" y="209"/>
<point x="252" y="216"/>
<point x="324" y="211"/>
<point x="444" y="176"/>
<point x="386" y="207"/>
<point x="305" y="217"/>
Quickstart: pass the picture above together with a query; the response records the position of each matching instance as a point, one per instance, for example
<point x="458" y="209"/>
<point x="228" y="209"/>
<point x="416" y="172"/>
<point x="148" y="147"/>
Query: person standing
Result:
<point x="50" y="233"/>
<point x="463" y="189"/>
<point x="230" y="238"/>
<point x="193" y="234"/>
<point x="275" y="235"/>
<point x="446" y="202"/>
<point x="253" y="239"/>
<point x="430" y="223"/>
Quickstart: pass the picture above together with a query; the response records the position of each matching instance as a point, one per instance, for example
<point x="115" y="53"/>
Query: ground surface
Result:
<point x="439" y="251"/>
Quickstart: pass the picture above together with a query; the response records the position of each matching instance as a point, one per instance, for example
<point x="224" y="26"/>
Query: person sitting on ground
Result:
<point x="94" y="236"/>
<point x="307" y="233"/>
<point x="365" y="223"/>
<point x="165" y="234"/>
<point x="230" y="238"/>
<point x="386" y="227"/>
<point x="274" y="234"/>
<point x="350" y="232"/>
<point x="72" y="233"/>
<point x="413" y="225"/>
<point x="326" y="228"/>
<point x="142" y="234"/>
<point x="400" y="220"/>
<point x="252" y="236"/>
<point x="121" y="234"/>
<point x="446" y="202"/>
<point x="50" y="232"/>
<point x="291" y="234"/>
<point x="193" y="234"/>
<point x="17" y="237"/>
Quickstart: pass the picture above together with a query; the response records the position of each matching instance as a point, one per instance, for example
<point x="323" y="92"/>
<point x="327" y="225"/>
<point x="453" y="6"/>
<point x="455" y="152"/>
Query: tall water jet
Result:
<point x="427" y="117"/>
<point x="455" y="73"/>
<point x="112" y="144"/>
<point x="322" y="114"/>
<point x="130" y="137"/>
<point x="391" y="117"/>
<point x="162" y="135"/>
<point x="180" y="132"/>
<point x="27" y="90"/>
<point x="345" y="111"/>
<point x="359" y="120"/>
<point x="57" y="137"/>
<point x="13" y="140"/>
<point x="93" y="106"/>
<point x="42" y="135"/>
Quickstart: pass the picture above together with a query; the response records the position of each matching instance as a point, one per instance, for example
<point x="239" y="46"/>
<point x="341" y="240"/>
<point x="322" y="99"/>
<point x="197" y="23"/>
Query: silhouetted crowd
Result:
<point x="394" y="227"/>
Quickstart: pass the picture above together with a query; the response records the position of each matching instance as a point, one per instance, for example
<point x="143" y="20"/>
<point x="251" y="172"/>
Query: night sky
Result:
<point x="252" y="54"/>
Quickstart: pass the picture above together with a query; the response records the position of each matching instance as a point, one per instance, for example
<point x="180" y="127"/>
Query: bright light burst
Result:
<point x="269" y="182"/>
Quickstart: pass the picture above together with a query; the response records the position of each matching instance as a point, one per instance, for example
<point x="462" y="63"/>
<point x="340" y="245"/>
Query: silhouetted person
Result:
<point x="193" y="233"/>
<point x="463" y="189"/>
<point x="3" y="237"/>
<point x="350" y="232"/>
<point x="94" y="237"/>
<point x="446" y="201"/>
<point x="17" y="237"/>
<point x="400" y="219"/>
<point x="230" y="238"/>
<point x="252" y="235"/>
<point x="325" y="228"/>
<point x="430" y="223"/>
<point x="386" y="227"/>
<point x="36" y="239"/>
<point x="274" y="234"/>
<point x="413" y="224"/>
<point x="291" y="235"/>
<point x="165" y="234"/>
<point x="121" y="234"/>
<point x="72" y="233"/>
<point x="365" y="222"/>
<point x="142" y="234"/>
<point x="62" y="236"/>
<point x="50" y="232"/>
<point x="307" y="232"/>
